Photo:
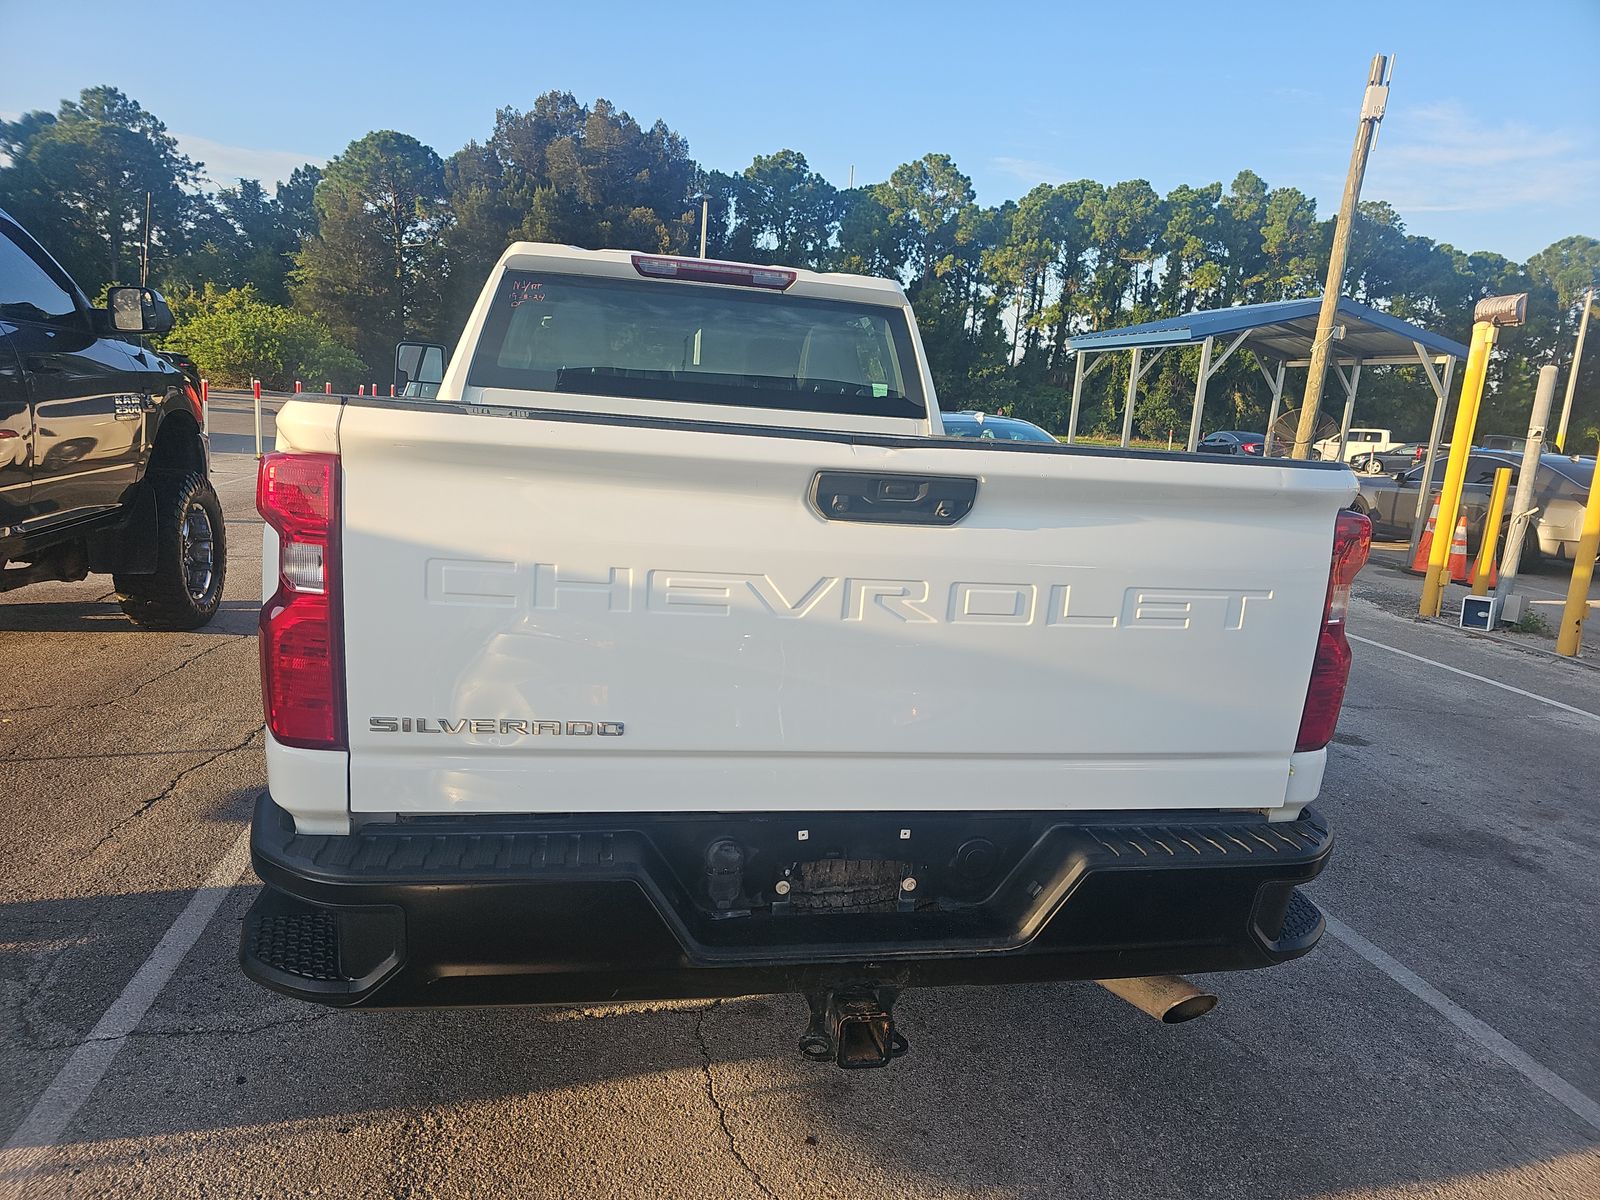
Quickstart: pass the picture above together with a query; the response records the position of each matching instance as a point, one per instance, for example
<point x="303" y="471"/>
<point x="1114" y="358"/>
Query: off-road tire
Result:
<point x="184" y="592"/>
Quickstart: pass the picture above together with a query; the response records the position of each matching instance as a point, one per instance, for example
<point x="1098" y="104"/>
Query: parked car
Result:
<point x="1503" y="441"/>
<point x="993" y="428"/>
<point x="1232" y="441"/>
<point x="102" y="457"/>
<point x="742" y="678"/>
<point x="1360" y="441"/>
<point x="1560" y="487"/>
<point x="1386" y="462"/>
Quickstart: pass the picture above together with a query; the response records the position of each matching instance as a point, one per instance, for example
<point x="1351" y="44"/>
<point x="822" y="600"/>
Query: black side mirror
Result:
<point x="138" y="310"/>
<point x="418" y="369"/>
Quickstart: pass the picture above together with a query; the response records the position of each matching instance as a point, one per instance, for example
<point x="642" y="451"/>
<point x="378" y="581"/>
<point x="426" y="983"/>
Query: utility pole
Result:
<point x="1372" y="106"/>
<point x="1572" y="371"/>
<point x="1522" y="510"/>
<point x="144" y="259"/>
<point x="705" y="219"/>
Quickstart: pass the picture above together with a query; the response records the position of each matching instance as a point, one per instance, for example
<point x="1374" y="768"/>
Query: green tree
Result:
<point x="924" y="202"/>
<point x="784" y="212"/>
<point x="366" y="271"/>
<point x="79" y="180"/>
<point x="233" y="336"/>
<point x="1123" y="226"/>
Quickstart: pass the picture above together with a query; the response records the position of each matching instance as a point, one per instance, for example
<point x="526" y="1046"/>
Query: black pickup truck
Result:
<point x="103" y="458"/>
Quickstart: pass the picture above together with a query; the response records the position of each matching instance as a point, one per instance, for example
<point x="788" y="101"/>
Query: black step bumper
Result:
<point x="570" y="909"/>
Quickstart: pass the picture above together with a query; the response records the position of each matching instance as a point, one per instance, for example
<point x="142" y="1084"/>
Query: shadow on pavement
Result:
<point x="1311" y="1079"/>
<point x="242" y="443"/>
<point x="233" y="617"/>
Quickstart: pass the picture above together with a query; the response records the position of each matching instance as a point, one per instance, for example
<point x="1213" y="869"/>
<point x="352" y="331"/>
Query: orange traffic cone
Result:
<point x="1419" y="560"/>
<point x="1460" y="572"/>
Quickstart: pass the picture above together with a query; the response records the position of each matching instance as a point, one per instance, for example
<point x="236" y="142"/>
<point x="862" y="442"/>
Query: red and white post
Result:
<point x="255" y="386"/>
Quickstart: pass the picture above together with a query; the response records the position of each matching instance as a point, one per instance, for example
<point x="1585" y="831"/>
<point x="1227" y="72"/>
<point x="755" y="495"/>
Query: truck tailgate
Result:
<point x="571" y="615"/>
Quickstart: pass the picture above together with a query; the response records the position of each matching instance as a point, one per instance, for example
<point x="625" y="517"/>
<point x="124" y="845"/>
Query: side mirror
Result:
<point x="138" y="310"/>
<point x="418" y="369"/>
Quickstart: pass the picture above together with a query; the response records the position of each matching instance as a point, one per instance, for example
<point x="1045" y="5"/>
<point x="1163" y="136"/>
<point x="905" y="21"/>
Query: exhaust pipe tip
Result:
<point x="1189" y="1008"/>
<point x="1170" y="999"/>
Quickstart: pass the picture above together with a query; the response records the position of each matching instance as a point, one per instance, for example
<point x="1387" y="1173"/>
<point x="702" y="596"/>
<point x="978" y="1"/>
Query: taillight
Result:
<point x="1330" y="670"/>
<point x="703" y="270"/>
<point x="302" y="641"/>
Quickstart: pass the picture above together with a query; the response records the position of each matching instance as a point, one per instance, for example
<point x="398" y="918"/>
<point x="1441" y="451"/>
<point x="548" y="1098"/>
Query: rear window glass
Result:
<point x="1581" y="471"/>
<point x="993" y="429"/>
<point x="699" y="344"/>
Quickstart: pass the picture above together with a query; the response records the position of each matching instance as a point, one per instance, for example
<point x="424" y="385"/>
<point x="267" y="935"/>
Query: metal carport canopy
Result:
<point x="1280" y="332"/>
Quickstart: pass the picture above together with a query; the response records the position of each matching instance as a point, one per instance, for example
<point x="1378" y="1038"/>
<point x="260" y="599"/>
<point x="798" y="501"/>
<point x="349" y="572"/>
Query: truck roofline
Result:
<point x="829" y="285"/>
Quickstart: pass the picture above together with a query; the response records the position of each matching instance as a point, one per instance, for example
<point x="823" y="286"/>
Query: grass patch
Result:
<point x="1531" y="622"/>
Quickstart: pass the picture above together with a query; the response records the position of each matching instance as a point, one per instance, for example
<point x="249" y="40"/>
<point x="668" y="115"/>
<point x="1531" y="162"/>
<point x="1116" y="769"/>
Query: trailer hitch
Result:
<point x="853" y="1028"/>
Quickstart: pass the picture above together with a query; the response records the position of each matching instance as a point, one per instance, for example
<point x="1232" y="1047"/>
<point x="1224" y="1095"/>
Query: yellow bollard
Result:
<point x="1571" y="635"/>
<point x="1438" y="573"/>
<point x="1491" y="532"/>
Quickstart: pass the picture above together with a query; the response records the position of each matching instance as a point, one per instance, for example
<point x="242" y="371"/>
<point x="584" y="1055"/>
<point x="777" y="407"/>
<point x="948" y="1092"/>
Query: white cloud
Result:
<point x="226" y="165"/>
<point x="1438" y="158"/>
<point x="1029" y="170"/>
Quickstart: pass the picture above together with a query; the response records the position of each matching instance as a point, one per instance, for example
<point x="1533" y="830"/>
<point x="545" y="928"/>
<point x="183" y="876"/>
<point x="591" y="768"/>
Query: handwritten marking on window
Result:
<point x="524" y="290"/>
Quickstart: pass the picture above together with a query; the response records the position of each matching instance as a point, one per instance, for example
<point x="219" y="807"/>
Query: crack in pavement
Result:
<point x="716" y="1102"/>
<point x="216" y="644"/>
<point x="47" y="976"/>
<point x="146" y="805"/>
<point x="46" y="758"/>
<point x="302" y="1021"/>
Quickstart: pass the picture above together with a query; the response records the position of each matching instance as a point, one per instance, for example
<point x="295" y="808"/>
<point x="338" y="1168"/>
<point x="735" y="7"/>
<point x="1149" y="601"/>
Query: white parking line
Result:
<point x="1504" y="687"/>
<point x="1495" y="1043"/>
<point x="42" y="1128"/>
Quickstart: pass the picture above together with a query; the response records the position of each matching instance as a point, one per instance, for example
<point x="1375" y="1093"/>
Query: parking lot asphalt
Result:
<point x="1442" y="1041"/>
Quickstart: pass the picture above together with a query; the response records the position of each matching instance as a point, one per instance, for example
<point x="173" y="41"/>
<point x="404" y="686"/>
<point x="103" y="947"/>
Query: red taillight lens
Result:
<point x="701" y="270"/>
<point x="302" y="651"/>
<point x="1330" y="669"/>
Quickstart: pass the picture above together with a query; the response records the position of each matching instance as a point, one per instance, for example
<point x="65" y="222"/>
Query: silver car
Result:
<point x="1559" y="491"/>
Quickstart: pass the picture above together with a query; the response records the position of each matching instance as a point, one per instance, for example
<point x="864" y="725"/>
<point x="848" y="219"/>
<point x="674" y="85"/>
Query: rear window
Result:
<point x="1579" y="471"/>
<point x="698" y="344"/>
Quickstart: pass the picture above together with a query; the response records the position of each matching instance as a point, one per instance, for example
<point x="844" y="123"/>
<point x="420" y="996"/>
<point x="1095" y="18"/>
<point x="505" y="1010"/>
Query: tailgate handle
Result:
<point x="875" y="498"/>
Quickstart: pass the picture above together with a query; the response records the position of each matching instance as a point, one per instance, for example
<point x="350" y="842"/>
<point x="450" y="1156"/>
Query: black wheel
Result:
<point x="191" y="558"/>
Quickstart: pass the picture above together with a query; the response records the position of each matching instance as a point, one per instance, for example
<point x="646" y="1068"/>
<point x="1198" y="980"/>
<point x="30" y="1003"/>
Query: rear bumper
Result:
<point x="591" y="908"/>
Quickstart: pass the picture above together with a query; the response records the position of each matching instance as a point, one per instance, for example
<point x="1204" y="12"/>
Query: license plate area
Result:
<point x="846" y="885"/>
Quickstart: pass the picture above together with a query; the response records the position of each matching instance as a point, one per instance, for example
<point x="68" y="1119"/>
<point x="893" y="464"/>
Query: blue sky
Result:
<point x="1492" y="139"/>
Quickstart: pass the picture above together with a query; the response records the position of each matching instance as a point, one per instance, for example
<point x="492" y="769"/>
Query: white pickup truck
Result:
<point x="1361" y="442"/>
<point x="668" y="650"/>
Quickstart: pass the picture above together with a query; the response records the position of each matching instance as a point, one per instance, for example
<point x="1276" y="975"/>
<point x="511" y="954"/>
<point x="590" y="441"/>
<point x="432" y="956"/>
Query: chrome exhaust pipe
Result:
<point x="1170" y="999"/>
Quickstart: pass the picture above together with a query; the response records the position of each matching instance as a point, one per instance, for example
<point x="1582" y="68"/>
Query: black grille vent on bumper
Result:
<point x="303" y="944"/>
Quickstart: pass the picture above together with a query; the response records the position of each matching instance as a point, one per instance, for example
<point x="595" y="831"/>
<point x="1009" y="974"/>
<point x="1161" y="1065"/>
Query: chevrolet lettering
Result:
<point x="495" y="726"/>
<point x="548" y="587"/>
